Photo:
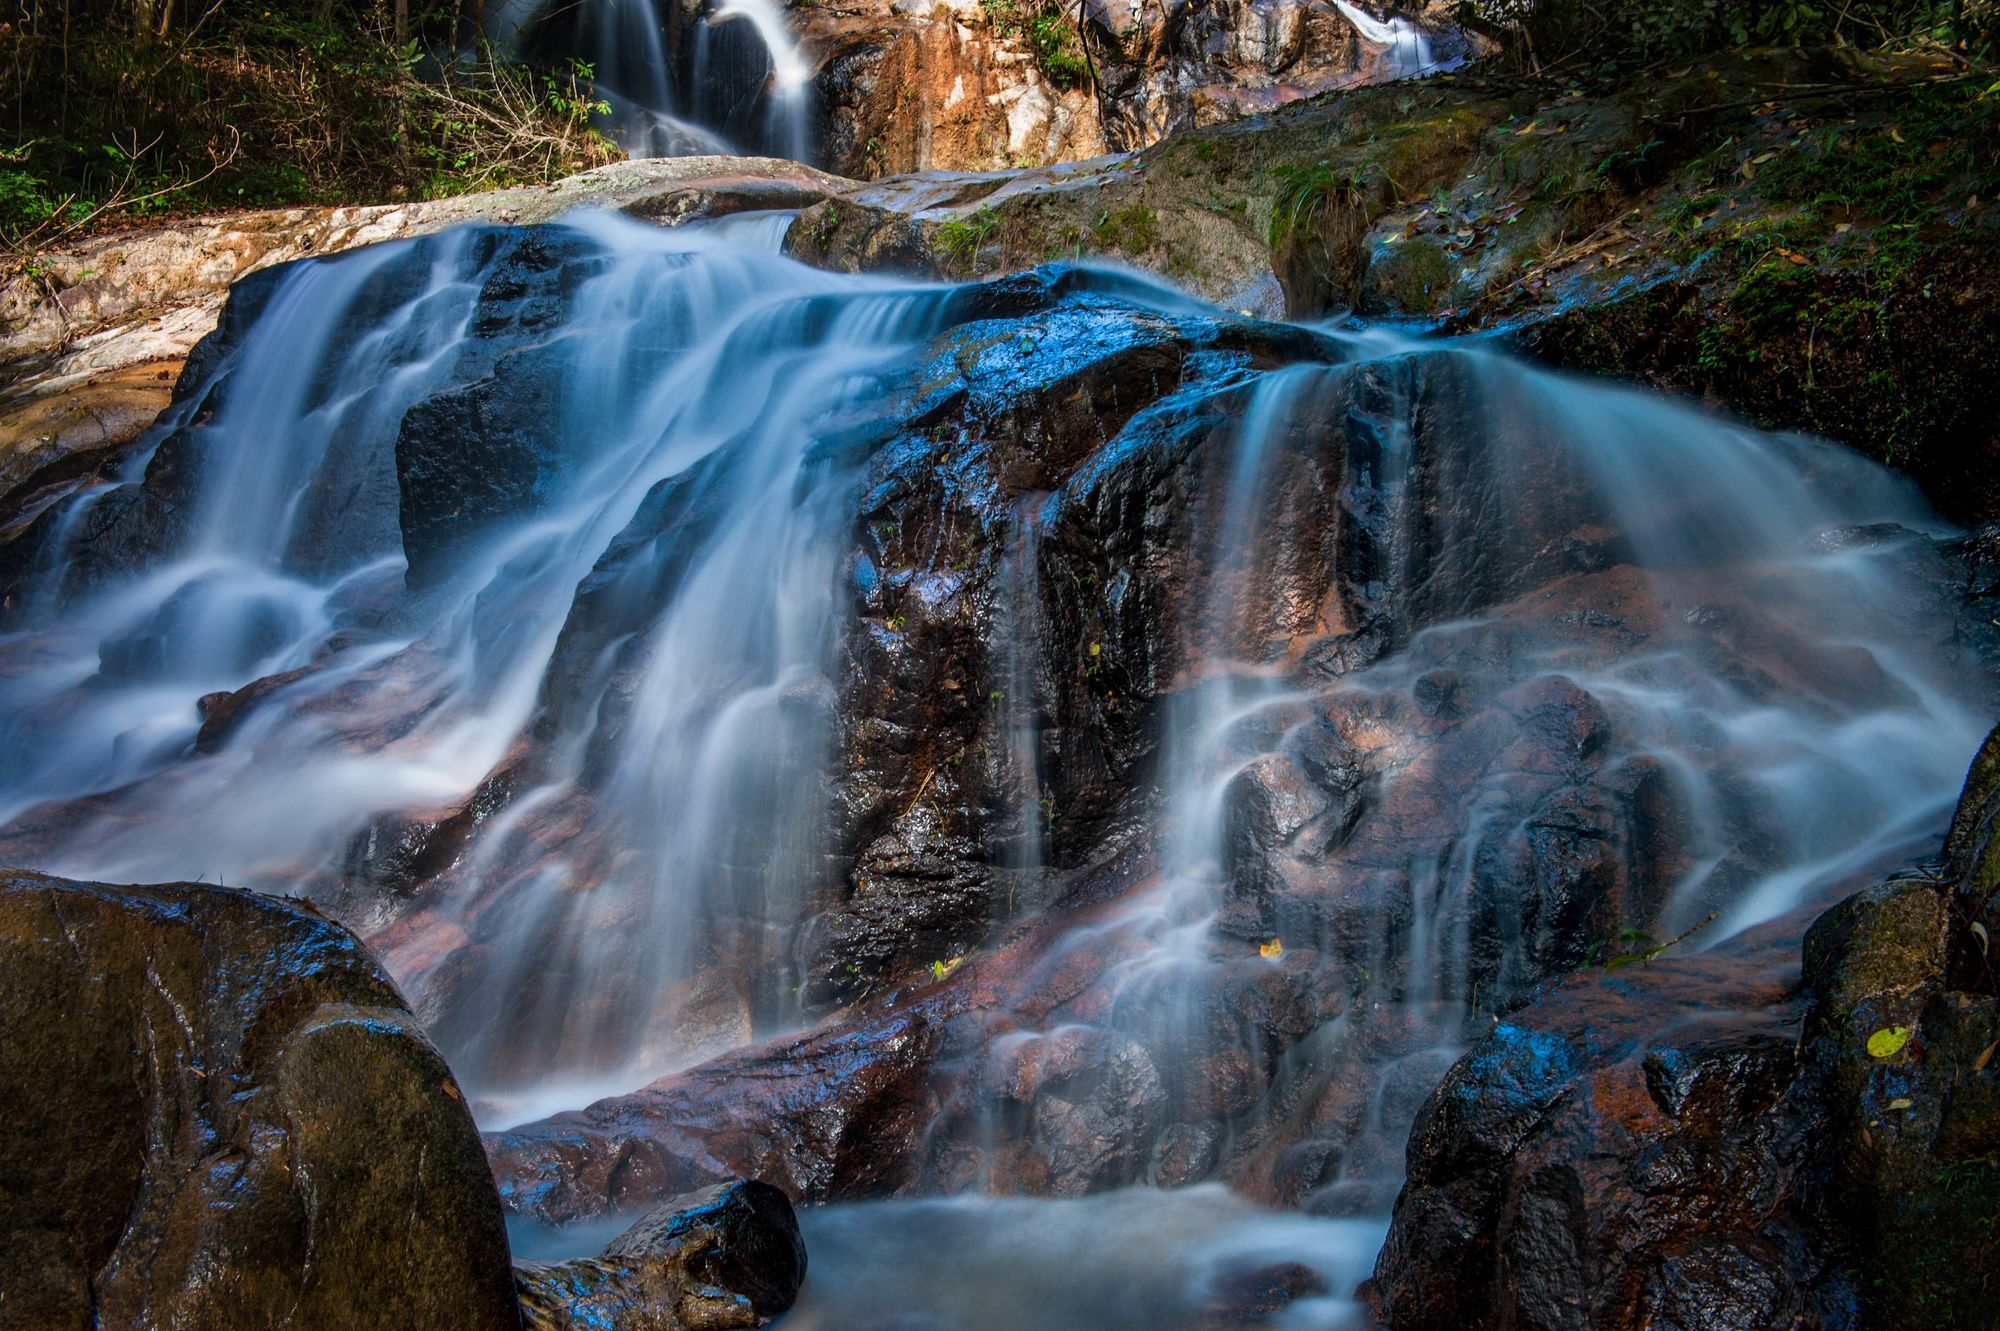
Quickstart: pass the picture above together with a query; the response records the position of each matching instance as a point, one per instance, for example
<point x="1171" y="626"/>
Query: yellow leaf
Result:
<point x="1897" y="135"/>
<point x="1888" y="1042"/>
<point x="1985" y="1056"/>
<point x="1272" y="950"/>
<point x="1899" y="1103"/>
<point x="1096" y="648"/>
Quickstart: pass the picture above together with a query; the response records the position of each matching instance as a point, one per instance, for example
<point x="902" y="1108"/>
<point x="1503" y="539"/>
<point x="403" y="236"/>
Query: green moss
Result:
<point x="1935" y="145"/>
<point x="1414" y="277"/>
<point x="1132" y="230"/>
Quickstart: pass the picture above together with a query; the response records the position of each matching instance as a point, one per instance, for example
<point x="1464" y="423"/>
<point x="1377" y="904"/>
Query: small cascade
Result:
<point x="1019" y="699"/>
<point x="787" y="98"/>
<point x="1407" y="46"/>
<point x="731" y="81"/>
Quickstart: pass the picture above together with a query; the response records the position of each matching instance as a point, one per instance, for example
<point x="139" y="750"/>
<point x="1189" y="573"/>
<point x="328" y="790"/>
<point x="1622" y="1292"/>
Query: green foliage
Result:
<point x="1599" y="36"/>
<point x="1942" y="145"/>
<point x="1049" y="33"/>
<point x="959" y="241"/>
<point x="114" y="110"/>
<point x="1303" y="192"/>
<point x="1631" y="947"/>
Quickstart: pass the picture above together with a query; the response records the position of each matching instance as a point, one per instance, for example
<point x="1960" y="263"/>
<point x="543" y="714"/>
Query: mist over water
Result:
<point x="1136" y="1258"/>
<point x="633" y="674"/>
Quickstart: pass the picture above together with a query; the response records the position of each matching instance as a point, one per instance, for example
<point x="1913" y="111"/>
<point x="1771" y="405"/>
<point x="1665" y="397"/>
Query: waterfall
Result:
<point x="1408" y="46"/>
<point x="495" y="587"/>
<point x="670" y="98"/>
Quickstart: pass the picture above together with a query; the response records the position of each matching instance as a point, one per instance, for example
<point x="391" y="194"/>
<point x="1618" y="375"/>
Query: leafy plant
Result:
<point x="1050" y="34"/>
<point x="1629" y="946"/>
<point x="960" y="240"/>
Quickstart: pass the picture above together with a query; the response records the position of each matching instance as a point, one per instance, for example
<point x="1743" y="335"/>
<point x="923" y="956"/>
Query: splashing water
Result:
<point x="787" y="99"/>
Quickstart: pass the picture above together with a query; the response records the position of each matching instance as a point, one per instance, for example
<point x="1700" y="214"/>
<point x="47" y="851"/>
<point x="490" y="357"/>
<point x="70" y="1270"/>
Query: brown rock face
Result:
<point x="225" y="1117"/>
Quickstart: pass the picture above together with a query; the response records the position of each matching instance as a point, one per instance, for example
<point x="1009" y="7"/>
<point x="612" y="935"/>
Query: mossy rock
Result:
<point x="1878" y="954"/>
<point x="1415" y="277"/>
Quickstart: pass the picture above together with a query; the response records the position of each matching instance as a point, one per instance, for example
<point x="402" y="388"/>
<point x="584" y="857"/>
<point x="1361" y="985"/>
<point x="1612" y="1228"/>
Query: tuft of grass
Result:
<point x="1050" y="34"/>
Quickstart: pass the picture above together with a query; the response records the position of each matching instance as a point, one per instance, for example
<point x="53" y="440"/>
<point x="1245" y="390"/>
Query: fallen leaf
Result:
<point x="1897" y="135"/>
<point x="1899" y="1103"/>
<point x="1979" y="931"/>
<point x="1272" y="950"/>
<point x="1888" y="1042"/>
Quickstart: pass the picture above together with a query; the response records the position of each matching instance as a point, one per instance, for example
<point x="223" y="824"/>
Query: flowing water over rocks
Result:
<point x="886" y="86"/>
<point x="1044" y="739"/>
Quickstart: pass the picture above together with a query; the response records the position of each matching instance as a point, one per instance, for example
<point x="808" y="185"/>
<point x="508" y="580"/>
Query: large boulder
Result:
<point x="223" y="1116"/>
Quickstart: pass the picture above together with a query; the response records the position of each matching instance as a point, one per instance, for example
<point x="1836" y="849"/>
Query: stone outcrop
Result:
<point x="1675" y="231"/>
<point x="226" y="1117"/>
<point x="1730" y="1140"/>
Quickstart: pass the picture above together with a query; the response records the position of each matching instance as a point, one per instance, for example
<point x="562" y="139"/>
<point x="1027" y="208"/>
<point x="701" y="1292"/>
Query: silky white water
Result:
<point x="719" y="95"/>
<point x="1409" y="46"/>
<point x="709" y="409"/>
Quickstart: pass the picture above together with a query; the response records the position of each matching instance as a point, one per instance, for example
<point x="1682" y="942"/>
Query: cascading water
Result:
<point x="1408" y="46"/>
<point x="494" y="588"/>
<point x="733" y="80"/>
<point x="786" y="101"/>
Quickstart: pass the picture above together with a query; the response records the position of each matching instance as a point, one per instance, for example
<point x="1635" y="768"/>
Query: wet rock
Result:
<point x="1256" y="1297"/>
<point x="222" y="713"/>
<point x="823" y="1116"/>
<point x="1706" y="1142"/>
<point x="238" y="1123"/>
<point x="1093" y="1101"/>
<point x="724" y="1257"/>
<point x="1912" y="1101"/>
<point x="908" y="907"/>
<point x="1600" y="1160"/>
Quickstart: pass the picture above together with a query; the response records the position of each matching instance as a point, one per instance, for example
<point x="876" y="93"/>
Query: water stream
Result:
<point x="1408" y="46"/>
